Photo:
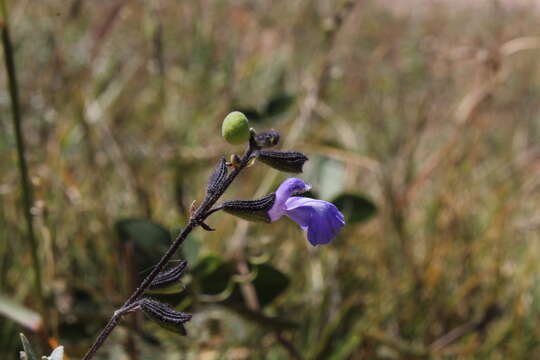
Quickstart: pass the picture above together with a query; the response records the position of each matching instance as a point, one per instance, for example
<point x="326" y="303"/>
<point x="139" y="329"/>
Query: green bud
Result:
<point x="235" y="128"/>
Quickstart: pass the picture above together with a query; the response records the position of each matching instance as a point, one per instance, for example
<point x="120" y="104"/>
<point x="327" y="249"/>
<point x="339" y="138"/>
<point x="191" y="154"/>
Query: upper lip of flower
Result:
<point x="302" y="190"/>
<point x="289" y="187"/>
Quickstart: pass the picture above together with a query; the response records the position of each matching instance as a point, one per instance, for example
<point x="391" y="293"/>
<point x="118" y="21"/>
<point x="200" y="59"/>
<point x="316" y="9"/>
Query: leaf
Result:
<point x="332" y="333"/>
<point x="262" y="320"/>
<point x="213" y="275"/>
<point x="150" y="239"/>
<point x="356" y="208"/>
<point x="332" y="177"/>
<point x="190" y="249"/>
<point x="279" y="104"/>
<point x="20" y="314"/>
<point x="30" y="355"/>
<point x="145" y="232"/>
<point x="269" y="283"/>
<point x="327" y="176"/>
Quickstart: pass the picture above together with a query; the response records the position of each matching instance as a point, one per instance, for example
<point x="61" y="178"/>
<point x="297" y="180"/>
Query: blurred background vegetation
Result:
<point x="421" y="124"/>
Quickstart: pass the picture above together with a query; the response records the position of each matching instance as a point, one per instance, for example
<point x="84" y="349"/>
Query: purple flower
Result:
<point x="321" y="219"/>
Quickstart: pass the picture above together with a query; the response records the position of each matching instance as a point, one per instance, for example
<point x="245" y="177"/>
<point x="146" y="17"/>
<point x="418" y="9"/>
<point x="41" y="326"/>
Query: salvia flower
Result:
<point x="320" y="219"/>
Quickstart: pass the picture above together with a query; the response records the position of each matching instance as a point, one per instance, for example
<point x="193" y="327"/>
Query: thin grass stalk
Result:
<point x="26" y="188"/>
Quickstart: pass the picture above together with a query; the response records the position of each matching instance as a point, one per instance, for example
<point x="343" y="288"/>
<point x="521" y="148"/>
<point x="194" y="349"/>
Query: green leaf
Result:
<point x="20" y="314"/>
<point x="327" y="176"/>
<point x="279" y="104"/>
<point x="143" y="231"/>
<point x="191" y="249"/>
<point x="150" y="239"/>
<point x="269" y="283"/>
<point x="356" y="208"/>
<point x="332" y="177"/>
<point x="213" y="275"/>
<point x="30" y="355"/>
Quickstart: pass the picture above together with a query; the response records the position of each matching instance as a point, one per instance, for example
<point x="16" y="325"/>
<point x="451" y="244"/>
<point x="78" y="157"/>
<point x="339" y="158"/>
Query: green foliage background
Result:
<point x="426" y="135"/>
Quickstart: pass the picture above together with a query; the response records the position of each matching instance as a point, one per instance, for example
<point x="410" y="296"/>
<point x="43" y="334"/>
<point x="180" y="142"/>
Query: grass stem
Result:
<point x="26" y="187"/>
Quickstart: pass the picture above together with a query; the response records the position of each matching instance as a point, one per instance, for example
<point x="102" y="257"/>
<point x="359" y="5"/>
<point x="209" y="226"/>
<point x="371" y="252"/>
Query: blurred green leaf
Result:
<point x="20" y="314"/>
<point x="191" y="249"/>
<point x="144" y="232"/>
<point x="327" y="176"/>
<point x="278" y="105"/>
<point x="356" y="208"/>
<point x="269" y="283"/>
<point x="150" y="239"/>
<point x="213" y="275"/>
<point x="262" y="320"/>
<point x="30" y="354"/>
<point x="333" y="332"/>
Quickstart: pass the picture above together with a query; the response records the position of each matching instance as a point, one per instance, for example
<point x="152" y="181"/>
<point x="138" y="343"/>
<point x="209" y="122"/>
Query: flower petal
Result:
<point x="321" y="219"/>
<point x="289" y="187"/>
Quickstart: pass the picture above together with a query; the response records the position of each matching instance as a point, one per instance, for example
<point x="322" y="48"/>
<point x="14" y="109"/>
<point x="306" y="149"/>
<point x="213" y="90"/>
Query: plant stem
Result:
<point x="23" y="168"/>
<point x="200" y="214"/>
